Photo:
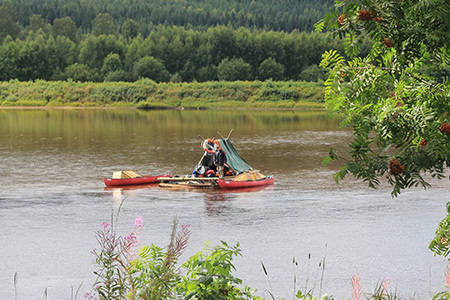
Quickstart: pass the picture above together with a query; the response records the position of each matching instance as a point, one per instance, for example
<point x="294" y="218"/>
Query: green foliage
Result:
<point x="65" y="27"/>
<point x="441" y="296"/>
<point x="130" y="29"/>
<point x="194" y="55"/>
<point x="112" y="63"/>
<point x="396" y="111"/>
<point x="36" y="23"/>
<point x="78" y="72"/>
<point x="209" y="275"/>
<point x="147" y="93"/>
<point x="440" y="245"/>
<point x="234" y="69"/>
<point x="8" y="21"/>
<point x="103" y="24"/>
<point x="313" y="73"/>
<point x="270" y="69"/>
<point x="118" y="75"/>
<point x="200" y="15"/>
<point x="154" y="273"/>
<point x="94" y="50"/>
<point x="308" y="296"/>
<point x="152" y="68"/>
<point x="112" y="261"/>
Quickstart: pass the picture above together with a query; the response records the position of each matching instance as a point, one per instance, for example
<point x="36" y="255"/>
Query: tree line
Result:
<point x="283" y="15"/>
<point x="168" y="53"/>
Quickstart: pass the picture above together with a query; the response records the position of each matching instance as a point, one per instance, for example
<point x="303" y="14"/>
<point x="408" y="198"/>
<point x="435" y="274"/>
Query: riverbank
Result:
<point x="147" y="94"/>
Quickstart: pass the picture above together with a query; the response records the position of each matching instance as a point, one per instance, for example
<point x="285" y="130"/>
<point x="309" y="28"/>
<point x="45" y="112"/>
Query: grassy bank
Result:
<point x="149" y="94"/>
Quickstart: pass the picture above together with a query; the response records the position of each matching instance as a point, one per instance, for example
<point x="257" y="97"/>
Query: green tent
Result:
<point x="234" y="160"/>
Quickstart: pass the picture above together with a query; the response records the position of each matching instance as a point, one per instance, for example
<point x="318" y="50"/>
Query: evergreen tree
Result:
<point x="65" y="27"/>
<point x="130" y="29"/>
<point x="103" y="24"/>
<point x="8" y="21"/>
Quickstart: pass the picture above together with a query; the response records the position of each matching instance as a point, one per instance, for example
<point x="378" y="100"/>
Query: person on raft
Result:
<point x="220" y="159"/>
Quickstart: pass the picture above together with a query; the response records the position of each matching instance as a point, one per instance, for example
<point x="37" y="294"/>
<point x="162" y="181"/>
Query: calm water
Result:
<point x="52" y="199"/>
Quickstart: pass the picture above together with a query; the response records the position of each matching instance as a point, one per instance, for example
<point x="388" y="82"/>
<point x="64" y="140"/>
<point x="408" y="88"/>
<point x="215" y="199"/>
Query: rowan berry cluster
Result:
<point x="388" y="43"/>
<point x="341" y="20"/>
<point x="423" y="143"/>
<point x="365" y="15"/>
<point x="395" y="167"/>
<point x="445" y="128"/>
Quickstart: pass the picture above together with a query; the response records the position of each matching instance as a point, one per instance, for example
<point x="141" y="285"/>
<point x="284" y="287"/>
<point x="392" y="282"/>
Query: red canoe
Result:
<point x="134" y="181"/>
<point x="230" y="184"/>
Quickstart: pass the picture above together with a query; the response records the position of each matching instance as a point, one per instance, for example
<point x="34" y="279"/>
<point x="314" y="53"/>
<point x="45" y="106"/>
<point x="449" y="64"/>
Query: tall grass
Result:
<point x="148" y="94"/>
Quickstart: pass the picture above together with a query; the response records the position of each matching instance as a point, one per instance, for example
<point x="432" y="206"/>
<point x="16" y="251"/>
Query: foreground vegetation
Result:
<point x="149" y="94"/>
<point x="127" y="270"/>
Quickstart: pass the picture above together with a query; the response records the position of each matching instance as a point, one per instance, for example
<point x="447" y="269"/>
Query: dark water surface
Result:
<point x="52" y="199"/>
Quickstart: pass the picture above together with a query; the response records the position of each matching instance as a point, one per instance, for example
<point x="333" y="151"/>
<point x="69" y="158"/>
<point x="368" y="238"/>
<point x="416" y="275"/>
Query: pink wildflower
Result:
<point x="105" y="224"/>
<point x="447" y="276"/>
<point x="131" y="237"/>
<point x="386" y="282"/>
<point x="356" y="287"/>
<point x="139" y="222"/>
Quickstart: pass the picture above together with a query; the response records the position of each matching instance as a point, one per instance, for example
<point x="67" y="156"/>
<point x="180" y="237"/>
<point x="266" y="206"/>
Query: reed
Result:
<point x="16" y="279"/>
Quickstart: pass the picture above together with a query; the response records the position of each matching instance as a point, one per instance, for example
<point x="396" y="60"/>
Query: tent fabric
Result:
<point x="234" y="160"/>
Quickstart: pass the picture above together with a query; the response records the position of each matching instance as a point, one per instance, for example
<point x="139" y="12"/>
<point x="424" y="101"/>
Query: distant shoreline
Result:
<point x="149" y="95"/>
<point x="150" y="108"/>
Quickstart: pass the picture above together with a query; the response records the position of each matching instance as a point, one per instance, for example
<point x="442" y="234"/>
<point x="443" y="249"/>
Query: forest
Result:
<point x="112" y="49"/>
<point x="283" y="15"/>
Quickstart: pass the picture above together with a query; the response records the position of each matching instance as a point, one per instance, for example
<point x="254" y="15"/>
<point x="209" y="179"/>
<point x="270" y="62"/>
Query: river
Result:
<point x="52" y="199"/>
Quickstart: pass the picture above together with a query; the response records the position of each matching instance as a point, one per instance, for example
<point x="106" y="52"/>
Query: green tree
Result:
<point x="221" y="44"/>
<point x="9" y="60"/>
<point x="65" y="27"/>
<point x="112" y="63"/>
<point x="103" y="24"/>
<point x="234" y="69"/>
<point x="207" y="73"/>
<point x="34" y="59"/>
<point x="36" y="23"/>
<point x="130" y="29"/>
<point x="134" y="51"/>
<point x="152" y="68"/>
<point x="8" y="21"/>
<point x="188" y="73"/>
<point x="78" y="72"/>
<point x="313" y="73"/>
<point x="400" y="116"/>
<point x="270" y="69"/>
<point x="94" y="50"/>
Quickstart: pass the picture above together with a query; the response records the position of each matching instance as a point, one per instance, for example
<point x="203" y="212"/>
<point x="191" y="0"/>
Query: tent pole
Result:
<point x="228" y="137"/>
<point x="221" y="135"/>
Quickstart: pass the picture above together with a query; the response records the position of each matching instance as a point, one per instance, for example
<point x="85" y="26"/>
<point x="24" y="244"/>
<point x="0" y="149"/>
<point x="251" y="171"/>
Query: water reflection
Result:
<point x="215" y="200"/>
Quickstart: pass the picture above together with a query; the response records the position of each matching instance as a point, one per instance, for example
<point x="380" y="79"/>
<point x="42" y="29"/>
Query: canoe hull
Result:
<point x="230" y="184"/>
<point x="134" y="181"/>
